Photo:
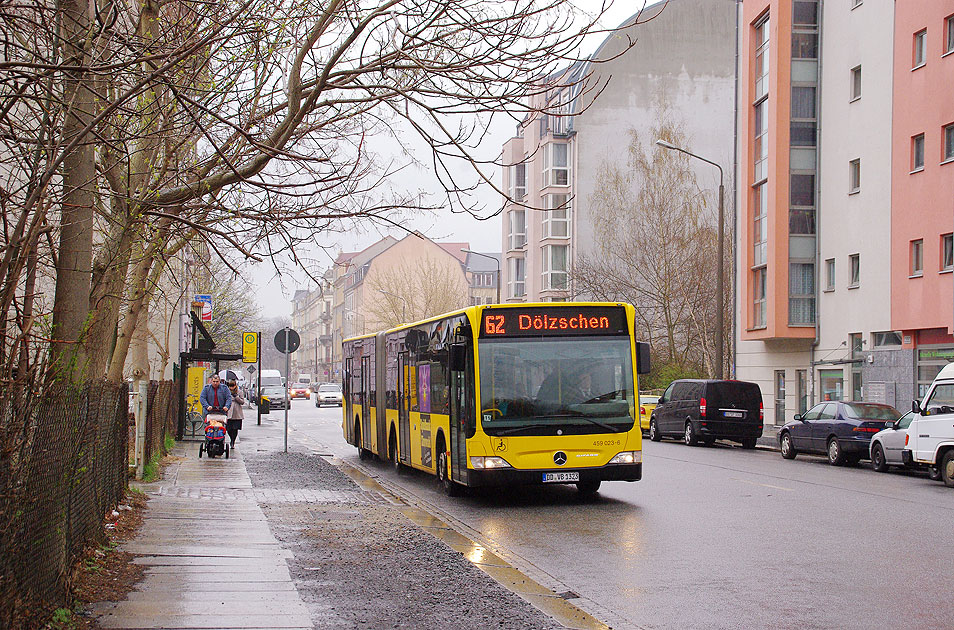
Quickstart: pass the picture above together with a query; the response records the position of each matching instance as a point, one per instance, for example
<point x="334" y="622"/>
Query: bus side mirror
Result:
<point x="458" y="357"/>
<point x="642" y="357"/>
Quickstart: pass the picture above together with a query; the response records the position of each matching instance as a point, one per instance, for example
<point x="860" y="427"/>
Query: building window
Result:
<point x="779" y="397"/>
<point x="856" y="344"/>
<point x="887" y="339"/>
<point x="856" y="83"/>
<point x="917" y="257"/>
<point x="949" y="142"/>
<point x="760" y="226"/>
<point x="554" y="267"/>
<point x="854" y="176"/>
<point x="805" y="12"/>
<point x="518" y="182"/>
<point x="830" y="274"/>
<point x="832" y="384"/>
<point x="762" y="58"/>
<point x="761" y="140"/>
<point x="947" y="252"/>
<point x="517" y="284"/>
<point x="556" y="220"/>
<point x="518" y="228"/>
<point x="556" y="164"/>
<point x="801" y="293"/>
<point x="920" y="48"/>
<point x="949" y="34"/>
<point x="804" y="45"/>
<point x="854" y="271"/>
<point x="917" y="153"/>
<point x="760" y="277"/>
<point x="803" y="190"/>
<point x="801" y="218"/>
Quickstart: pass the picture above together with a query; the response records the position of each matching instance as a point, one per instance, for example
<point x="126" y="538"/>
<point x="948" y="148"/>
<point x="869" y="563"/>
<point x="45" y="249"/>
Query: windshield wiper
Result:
<point x="575" y="416"/>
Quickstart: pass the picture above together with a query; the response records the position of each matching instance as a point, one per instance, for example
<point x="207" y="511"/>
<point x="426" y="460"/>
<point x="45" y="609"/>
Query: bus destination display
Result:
<point x="553" y="321"/>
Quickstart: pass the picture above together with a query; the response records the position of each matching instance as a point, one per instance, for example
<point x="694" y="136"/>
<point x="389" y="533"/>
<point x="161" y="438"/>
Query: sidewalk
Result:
<point x="211" y="561"/>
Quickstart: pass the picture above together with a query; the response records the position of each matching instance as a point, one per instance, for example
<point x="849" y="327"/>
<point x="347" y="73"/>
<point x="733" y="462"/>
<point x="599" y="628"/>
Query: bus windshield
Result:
<point x="556" y="386"/>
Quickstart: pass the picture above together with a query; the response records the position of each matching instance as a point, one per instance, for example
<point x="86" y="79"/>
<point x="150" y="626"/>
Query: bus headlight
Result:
<point x="485" y="463"/>
<point x="627" y="457"/>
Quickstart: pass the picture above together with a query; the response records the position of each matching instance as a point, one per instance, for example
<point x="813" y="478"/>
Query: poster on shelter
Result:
<point x="424" y="387"/>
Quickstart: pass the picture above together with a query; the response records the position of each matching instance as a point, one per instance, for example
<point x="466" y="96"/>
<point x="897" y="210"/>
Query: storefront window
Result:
<point x="832" y="384"/>
<point x="930" y="362"/>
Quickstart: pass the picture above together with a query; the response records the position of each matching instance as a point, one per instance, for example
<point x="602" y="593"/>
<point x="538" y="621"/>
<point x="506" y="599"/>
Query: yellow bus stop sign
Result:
<point x="249" y="347"/>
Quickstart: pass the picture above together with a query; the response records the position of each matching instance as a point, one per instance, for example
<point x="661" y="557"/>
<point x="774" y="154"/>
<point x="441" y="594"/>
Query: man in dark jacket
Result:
<point x="215" y="395"/>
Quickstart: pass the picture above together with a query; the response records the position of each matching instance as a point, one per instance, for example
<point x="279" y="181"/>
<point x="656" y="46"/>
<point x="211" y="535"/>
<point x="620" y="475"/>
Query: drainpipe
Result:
<point x="735" y="199"/>
<point x="818" y="260"/>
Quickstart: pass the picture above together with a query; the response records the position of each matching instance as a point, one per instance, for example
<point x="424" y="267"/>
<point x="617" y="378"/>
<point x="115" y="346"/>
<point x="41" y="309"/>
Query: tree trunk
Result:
<point x="73" y="273"/>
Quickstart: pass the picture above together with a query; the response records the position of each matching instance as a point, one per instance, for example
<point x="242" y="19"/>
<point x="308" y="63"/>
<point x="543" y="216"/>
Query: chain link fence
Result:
<point x="63" y="464"/>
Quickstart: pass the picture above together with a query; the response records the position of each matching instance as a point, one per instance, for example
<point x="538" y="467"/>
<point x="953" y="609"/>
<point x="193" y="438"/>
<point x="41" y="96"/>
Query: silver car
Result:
<point x="886" y="445"/>
<point x="328" y="394"/>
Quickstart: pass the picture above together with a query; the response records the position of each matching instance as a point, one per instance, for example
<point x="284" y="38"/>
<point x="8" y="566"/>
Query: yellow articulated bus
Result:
<point x="500" y="394"/>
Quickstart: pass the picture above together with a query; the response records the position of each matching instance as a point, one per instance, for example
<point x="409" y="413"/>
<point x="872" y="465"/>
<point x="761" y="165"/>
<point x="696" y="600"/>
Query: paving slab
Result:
<point x="210" y="558"/>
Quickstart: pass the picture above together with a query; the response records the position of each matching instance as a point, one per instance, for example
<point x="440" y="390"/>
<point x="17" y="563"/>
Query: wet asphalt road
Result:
<point x="714" y="538"/>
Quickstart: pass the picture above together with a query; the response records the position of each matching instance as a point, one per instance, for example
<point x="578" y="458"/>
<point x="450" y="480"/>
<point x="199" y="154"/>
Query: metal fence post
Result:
<point x="141" y="417"/>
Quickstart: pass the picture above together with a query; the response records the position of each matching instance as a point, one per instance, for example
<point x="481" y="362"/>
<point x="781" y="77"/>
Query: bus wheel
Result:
<point x="393" y="455"/>
<point x="588" y="488"/>
<point x="450" y="487"/>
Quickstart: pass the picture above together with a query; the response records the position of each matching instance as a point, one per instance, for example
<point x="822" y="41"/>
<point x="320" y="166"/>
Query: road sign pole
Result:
<point x="258" y="387"/>
<point x="287" y="377"/>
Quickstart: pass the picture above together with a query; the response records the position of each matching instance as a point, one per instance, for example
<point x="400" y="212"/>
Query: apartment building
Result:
<point x="483" y="277"/>
<point x="842" y="287"/>
<point x="683" y="60"/>
<point x="311" y="317"/>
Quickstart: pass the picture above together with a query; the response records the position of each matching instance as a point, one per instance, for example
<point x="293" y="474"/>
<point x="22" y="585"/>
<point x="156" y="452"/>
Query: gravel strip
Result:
<point x="360" y="563"/>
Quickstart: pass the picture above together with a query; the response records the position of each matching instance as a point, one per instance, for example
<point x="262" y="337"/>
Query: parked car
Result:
<point x="276" y="397"/>
<point x="647" y="402"/>
<point x="328" y="394"/>
<point x="930" y="436"/>
<point x="709" y="410"/>
<point x="886" y="446"/>
<point x="842" y="430"/>
<point x="299" y="390"/>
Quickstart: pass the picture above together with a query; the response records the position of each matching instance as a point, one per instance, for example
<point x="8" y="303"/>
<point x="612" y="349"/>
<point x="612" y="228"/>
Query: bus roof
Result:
<point x="476" y="310"/>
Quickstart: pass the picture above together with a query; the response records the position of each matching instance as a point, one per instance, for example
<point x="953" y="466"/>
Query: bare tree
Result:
<point x="655" y="248"/>
<point x="153" y="124"/>
<point x="415" y="290"/>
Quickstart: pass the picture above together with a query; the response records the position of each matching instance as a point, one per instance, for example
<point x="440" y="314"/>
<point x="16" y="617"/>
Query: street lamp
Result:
<point x="719" y="253"/>
<point x="496" y="262"/>
<point x="403" y="308"/>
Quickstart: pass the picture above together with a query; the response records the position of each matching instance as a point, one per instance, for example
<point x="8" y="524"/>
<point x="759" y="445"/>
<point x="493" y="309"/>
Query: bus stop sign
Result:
<point x="294" y="341"/>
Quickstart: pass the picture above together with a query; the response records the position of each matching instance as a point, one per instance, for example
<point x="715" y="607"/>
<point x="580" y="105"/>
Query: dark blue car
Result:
<point x="842" y="430"/>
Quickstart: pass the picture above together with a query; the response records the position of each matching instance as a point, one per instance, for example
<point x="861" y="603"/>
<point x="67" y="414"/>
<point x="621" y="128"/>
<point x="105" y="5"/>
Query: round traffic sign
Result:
<point x="249" y="337"/>
<point x="294" y="341"/>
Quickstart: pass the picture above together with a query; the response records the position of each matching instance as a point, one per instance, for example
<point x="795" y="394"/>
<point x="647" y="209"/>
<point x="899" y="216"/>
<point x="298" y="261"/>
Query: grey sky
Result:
<point x="274" y="293"/>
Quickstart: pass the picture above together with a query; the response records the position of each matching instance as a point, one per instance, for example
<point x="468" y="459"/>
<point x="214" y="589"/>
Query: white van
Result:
<point x="930" y="439"/>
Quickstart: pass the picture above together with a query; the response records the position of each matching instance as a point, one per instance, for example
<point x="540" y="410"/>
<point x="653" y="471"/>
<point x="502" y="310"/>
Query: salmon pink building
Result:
<point x="845" y="204"/>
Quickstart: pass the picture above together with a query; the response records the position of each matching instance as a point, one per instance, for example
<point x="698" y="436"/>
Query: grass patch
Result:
<point x="151" y="470"/>
<point x="169" y="443"/>
<point x="63" y="619"/>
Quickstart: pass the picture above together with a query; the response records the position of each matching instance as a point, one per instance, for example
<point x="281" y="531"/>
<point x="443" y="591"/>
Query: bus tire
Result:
<point x="588" y="488"/>
<point x="450" y="487"/>
<point x="393" y="454"/>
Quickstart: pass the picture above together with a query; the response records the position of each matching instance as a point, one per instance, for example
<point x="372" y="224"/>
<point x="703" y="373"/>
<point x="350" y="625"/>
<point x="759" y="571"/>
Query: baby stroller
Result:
<point x="214" y="444"/>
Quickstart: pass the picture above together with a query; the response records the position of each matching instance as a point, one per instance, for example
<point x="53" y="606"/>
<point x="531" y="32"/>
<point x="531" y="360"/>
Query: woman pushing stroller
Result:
<point x="216" y="401"/>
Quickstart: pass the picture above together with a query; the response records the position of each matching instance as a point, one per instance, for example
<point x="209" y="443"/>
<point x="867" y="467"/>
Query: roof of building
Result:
<point x="482" y="263"/>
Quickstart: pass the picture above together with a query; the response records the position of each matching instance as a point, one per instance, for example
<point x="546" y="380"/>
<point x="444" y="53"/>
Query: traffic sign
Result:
<point x="294" y="341"/>
<point x="206" y="300"/>
<point x="249" y="347"/>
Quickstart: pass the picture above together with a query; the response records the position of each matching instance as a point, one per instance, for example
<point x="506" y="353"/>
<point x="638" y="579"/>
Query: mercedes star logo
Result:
<point x="559" y="458"/>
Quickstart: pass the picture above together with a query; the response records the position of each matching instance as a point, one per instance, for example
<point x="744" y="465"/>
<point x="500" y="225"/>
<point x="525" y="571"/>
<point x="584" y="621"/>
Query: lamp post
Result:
<point x="496" y="262"/>
<point x="720" y="253"/>
<point x="403" y="308"/>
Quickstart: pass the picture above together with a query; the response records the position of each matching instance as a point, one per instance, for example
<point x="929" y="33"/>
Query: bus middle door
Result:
<point x="348" y="402"/>
<point x="404" y="401"/>
<point x="366" y="396"/>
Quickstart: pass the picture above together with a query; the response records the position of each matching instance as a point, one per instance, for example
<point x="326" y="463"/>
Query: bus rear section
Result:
<point x="557" y="397"/>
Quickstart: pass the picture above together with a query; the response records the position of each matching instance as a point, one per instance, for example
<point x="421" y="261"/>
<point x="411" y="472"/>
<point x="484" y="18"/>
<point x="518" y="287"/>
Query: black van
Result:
<point x="709" y="410"/>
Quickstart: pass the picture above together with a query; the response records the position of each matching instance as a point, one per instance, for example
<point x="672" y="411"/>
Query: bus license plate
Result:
<point x="560" y="477"/>
<point x="733" y="414"/>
